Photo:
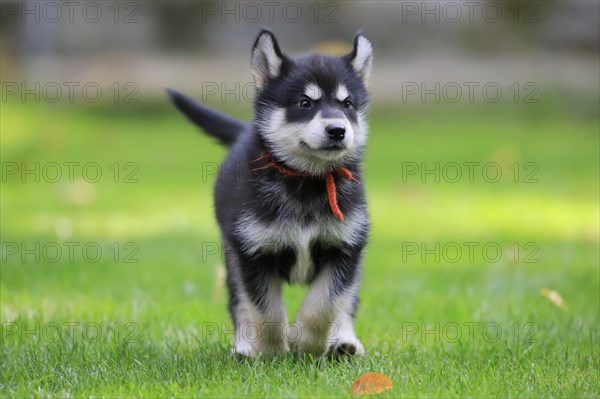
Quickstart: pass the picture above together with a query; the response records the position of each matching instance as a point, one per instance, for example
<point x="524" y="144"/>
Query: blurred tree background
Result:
<point x="183" y="43"/>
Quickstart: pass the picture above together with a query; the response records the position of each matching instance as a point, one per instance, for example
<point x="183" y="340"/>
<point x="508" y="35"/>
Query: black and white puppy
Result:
<point x="290" y="200"/>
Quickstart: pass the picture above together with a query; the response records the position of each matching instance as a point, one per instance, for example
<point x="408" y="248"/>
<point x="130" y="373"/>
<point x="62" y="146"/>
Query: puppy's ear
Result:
<point x="361" y="57"/>
<point x="266" y="58"/>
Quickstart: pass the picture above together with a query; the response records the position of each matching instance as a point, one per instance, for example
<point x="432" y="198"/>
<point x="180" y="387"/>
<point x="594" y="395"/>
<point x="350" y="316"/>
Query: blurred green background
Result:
<point x="122" y="247"/>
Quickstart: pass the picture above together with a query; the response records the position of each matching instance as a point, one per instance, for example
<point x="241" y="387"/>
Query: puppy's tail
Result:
<point x="215" y="123"/>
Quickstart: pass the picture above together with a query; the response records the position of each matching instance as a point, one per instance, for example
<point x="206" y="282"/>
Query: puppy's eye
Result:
<point x="305" y="103"/>
<point x="347" y="103"/>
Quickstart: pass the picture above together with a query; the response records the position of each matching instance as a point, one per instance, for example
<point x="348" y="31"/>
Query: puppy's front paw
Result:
<point x="351" y="347"/>
<point x="244" y="351"/>
<point x="309" y="343"/>
<point x="316" y="349"/>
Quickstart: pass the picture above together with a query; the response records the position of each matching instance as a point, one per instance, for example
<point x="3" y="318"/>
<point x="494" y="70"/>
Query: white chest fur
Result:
<point x="258" y="236"/>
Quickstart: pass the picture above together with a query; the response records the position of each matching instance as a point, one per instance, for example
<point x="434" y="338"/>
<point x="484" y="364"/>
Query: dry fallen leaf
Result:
<point x="554" y="297"/>
<point x="371" y="383"/>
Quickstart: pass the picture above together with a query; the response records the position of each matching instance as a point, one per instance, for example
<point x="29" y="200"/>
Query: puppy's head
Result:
<point x="311" y="110"/>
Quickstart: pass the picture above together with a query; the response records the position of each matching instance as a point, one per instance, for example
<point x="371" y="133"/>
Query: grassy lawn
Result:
<point x="111" y="284"/>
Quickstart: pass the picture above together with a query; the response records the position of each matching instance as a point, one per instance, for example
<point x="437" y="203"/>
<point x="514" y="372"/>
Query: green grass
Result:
<point x="154" y="318"/>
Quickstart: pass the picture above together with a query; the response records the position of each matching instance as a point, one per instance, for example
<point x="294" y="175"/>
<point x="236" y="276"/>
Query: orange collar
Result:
<point x="329" y="179"/>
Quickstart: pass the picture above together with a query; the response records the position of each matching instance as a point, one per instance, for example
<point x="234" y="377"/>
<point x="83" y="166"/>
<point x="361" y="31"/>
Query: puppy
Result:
<point x="290" y="200"/>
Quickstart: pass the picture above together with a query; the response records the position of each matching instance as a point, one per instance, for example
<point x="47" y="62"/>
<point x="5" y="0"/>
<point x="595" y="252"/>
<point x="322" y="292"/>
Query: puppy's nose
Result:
<point x="336" y="132"/>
